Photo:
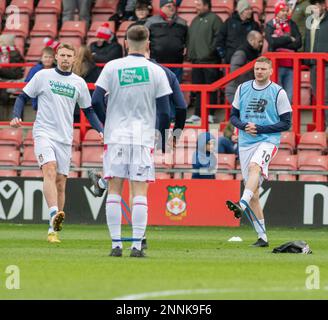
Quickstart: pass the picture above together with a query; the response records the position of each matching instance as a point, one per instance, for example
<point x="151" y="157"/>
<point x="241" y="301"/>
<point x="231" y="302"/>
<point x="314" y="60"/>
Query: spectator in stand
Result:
<point x="9" y="54"/>
<point x="106" y="48"/>
<point x="316" y="40"/>
<point x="142" y="12"/>
<point x="204" y="158"/>
<point x="299" y="15"/>
<point x="235" y="29"/>
<point x="283" y="35"/>
<point x="168" y="36"/>
<point x="47" y="61"/>
<point x="85" y="67"/>
<point x="247" y="52"/>
<point x="201" y="50"/>
<point x="83" y="7"/>
<point x="228" y="143"/>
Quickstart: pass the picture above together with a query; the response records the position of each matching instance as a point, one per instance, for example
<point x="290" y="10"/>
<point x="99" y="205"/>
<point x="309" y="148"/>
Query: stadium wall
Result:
<point x="172" y="202"/>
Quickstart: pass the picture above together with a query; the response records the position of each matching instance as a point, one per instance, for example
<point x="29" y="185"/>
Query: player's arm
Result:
<point x="98" y="103"/>
<point x="20" y="102"/>
<point x="235" y="113"/>
<point x="180" y="107"/>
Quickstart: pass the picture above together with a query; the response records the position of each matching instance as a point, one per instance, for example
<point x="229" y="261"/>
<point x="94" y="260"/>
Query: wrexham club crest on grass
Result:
<point x="176" y="203"/>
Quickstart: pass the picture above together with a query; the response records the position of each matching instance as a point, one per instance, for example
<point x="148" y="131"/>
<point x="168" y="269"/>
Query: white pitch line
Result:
<point x="147" y="295"/>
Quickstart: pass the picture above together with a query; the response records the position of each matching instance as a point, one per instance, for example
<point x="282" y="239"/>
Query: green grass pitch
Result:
<point x="181" y="263"/>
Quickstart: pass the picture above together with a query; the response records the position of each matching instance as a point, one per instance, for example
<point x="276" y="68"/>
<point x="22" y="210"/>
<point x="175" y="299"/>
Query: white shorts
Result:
<point x="47" y="150"/>
<point x="261" y="153"/>
<point x="133" y="162"/>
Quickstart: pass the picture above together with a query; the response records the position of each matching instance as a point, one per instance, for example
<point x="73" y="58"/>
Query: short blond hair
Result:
<point x="67" y="46"/>
<point x="264" y="59"/>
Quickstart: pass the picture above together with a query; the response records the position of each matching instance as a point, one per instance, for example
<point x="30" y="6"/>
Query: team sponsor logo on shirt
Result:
<point x="62" y="89"/>
<point x="256" y="106"/>
<point x="176" y="203"/>
<point x="133" y="76"/>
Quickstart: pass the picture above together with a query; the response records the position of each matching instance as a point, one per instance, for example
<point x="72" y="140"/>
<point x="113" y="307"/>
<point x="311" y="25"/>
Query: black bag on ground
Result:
<point x="297" y="246"/>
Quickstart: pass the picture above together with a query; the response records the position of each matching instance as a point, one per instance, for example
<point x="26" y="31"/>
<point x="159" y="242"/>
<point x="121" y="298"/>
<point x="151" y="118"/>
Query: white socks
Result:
<point x="52" y="211"/>
<point x="247" y="196"/>
<point x="139" y="219"/>
<point x="261" y="232"/>
<point x="114" y="218"/>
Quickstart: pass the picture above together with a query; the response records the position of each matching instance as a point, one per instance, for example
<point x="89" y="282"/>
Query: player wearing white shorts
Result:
<point x="261" y="111"/>
<point x="135" y="85"/>
<point x="58" y="90"/>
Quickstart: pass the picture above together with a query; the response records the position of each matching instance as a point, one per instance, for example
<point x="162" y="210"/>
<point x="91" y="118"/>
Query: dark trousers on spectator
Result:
<point x="83" y="7"/>
<point x="205" y="76"/>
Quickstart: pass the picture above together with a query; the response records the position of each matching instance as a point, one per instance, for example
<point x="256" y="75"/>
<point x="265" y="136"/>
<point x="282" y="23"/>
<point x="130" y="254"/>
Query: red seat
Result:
<point x="101" y="16"/>
<point x="188" y="138"/>
<point x="11" y="137"/>
<point x="268" y="16"/>
<point x="76" y="42"/>
<point x="124" y="26"/>
<point x="9" y="156"/>
<point x="49" y="6"/>
<point x="287" y="142"/>
<point x="34" y="51"/>
<point x="29" y="157"/>
<point x="2" y="7"/>
<point x="312" y="162"/>
<point x="223" y="15"/>
<point x="105" y="6"/>
<point x="45" y="26"/>
<point x="182" y="157"/>
<point x="17" y="26"/>
<point x="305" y="95"/>
<point x="225" y="161"/>
<point x="223" y="6"/>
<point x="270" y="4"/>
<point x="313" y="177"/>
<point x="188" y="16"/>
<point x="92" y="138"/>
<point x="73" y="29"/>
<point x="25" y="6"/>
<point x="28" y="140"/>
<point x="257" y="6"/>
<point x="8" y="173"/>
<point x="306" y="78"/>
<point x="76" y="159"/>
<point x="283" y="162"/>
<point x="315" y="141"/>
<point x="37" y="173"/>
<point x="92" y="156"/>
<point x="96" y="24"/>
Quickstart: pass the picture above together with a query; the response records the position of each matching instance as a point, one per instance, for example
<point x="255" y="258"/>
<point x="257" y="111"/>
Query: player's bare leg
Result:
<point x="139" y="216"/>
<point x="61" y="187"/>
<point x="114" y="215"/>
<point x="50" y="193"/>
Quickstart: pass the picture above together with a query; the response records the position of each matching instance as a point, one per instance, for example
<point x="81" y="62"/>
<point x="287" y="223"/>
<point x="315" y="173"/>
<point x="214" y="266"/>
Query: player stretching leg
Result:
<point x="134" y="86"/>
<point x="260" y="110"/>
<point x="58" y="90"/>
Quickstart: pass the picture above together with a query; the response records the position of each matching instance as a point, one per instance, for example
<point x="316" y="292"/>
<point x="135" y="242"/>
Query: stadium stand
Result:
<point x="28" y="140"/>
<point x="45" y="26"/>
<point x="105" y="6"/>
<point x="75" y="162"/>
<point x="312" y="143"/>
<point x="73" y="29"/>
<point x="96" y="24"/>
<point x="315" y="163"/>
<point x="9" y="156"/>
<point x="287" y="142"/>
<point x="20" y="29"/>
<point x="34" y="51"/>
<point x="225" y="161"/>
<point x="163" y="161"/>
<point x="284" y="161"/>
<point x="25" y="6"/>
<point x="11" y="137"/>
<point x="49" y="6"/>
